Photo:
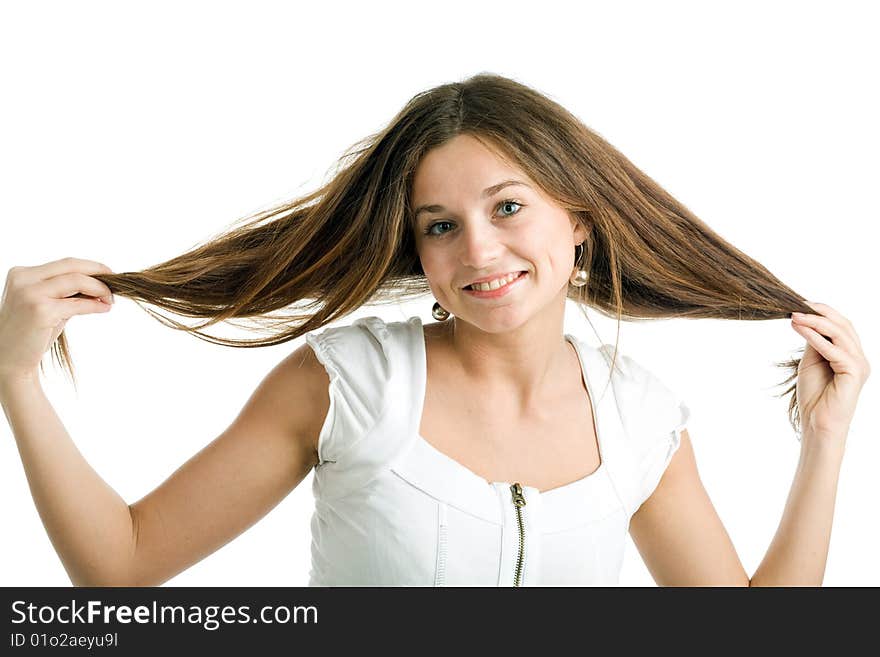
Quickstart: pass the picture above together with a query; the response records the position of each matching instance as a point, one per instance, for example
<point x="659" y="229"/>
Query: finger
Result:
<point x="84" y="306"/>
<point x="835" y="355"/>
<point x="67" y="308"/>
<point x="69" y="284"/>
<point x="28" y="275"/>
<point x="828" y="311"/>
<point x="831" y="313"/>
<point x="831" y="330"/>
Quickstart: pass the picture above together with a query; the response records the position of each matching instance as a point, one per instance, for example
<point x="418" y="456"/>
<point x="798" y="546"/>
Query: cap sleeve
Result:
<point x="356" y="362"/>
<point x="653" y="417"/>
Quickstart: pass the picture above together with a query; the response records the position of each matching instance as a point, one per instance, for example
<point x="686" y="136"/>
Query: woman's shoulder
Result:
<point x="363" y="357"/>
<point x="372" y="338"/>
<point x="368" y="361"/>
<point x="643" y="398"/>
<point x="627" y="370"/>
<point x="652" y="417"/>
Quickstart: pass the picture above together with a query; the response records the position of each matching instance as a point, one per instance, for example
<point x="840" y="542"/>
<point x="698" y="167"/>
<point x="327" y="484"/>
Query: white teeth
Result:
<point x="495" y="284"/>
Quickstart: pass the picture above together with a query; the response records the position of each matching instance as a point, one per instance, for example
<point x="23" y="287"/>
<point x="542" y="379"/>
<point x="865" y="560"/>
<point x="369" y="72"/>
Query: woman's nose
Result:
<point x="479" y="247"/>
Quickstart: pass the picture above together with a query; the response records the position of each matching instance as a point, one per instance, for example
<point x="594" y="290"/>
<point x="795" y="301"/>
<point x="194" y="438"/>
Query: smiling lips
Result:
<point x="496" y="288"/>
<point x="497" y="281"/>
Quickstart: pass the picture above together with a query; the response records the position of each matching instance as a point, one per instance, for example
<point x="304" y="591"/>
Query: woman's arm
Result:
<point x="677" y="530"/>
<point x="799" y="550"/>
<point x="221" y="491"/>
<point x="683" y="542"/>
<point x="88" y="523"/>
<point x="831" y="375"/>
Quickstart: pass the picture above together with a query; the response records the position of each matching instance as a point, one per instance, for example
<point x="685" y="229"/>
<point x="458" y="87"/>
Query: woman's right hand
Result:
<point x="36" y="304"/>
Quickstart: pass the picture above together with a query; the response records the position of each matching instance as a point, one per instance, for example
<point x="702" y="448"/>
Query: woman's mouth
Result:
<point x="497" y="292"/>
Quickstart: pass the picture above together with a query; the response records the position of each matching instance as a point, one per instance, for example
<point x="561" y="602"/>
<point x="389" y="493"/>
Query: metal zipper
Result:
<point x="519" y="501"/>
<point x="440" y="570"/>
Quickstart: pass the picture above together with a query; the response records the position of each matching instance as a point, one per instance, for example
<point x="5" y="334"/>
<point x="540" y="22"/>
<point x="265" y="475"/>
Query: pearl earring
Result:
<point x="439" y="312"/>
<point x="579" y="277"/>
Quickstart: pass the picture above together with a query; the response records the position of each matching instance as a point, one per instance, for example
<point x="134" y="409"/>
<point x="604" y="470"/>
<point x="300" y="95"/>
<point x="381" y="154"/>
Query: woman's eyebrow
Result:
<point x="489" y="191"/>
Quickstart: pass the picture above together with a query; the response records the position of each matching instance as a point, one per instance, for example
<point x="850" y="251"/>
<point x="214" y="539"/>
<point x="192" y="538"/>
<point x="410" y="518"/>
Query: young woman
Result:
<point x="480" y="449"/>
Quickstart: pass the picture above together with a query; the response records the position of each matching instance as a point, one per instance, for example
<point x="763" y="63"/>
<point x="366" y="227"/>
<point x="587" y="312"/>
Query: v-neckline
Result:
<point x="589" y="478"/>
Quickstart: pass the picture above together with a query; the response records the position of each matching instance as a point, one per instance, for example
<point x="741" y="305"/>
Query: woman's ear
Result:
<point x="580" y="232"/>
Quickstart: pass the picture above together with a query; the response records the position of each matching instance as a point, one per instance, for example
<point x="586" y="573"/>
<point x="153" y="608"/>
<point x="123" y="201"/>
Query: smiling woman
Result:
<point x="354" y="241"/>
<point x="504" y="206"/>
<point x="515" y="254"/>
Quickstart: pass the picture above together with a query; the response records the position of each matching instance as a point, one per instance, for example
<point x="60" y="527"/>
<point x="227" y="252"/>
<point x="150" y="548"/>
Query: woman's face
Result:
<point x="466" y="235"/>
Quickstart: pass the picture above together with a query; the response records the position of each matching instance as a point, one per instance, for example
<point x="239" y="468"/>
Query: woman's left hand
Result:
<point x="831" y="374"/>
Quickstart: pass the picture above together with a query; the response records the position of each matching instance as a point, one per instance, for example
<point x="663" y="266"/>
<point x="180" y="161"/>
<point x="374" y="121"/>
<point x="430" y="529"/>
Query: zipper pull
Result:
<point x="518" y="498"/>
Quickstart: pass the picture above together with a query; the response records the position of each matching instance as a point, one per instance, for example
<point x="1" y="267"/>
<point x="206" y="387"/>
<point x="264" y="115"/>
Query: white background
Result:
<point x="130" y="133"/>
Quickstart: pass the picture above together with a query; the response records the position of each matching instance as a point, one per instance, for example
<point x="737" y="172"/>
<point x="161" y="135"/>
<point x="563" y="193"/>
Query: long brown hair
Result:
<point x="351" y="242"/>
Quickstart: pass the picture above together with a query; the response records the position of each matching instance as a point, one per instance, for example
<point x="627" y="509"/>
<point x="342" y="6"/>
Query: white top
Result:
<point x="392" y="510"/>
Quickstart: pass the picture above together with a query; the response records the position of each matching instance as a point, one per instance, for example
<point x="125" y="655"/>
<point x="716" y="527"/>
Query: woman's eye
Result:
<point x="510" y="202"/>
<point x="506" y="202"/>
<point x="430" y="228"/>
